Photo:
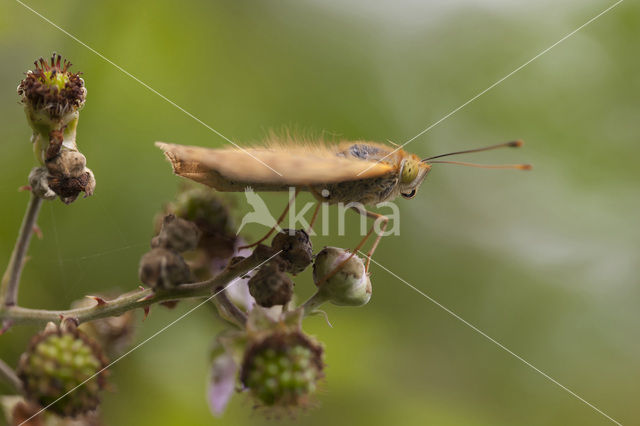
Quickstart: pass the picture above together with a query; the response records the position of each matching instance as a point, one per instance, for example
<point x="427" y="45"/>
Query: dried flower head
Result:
<point x="69" y="185"/>
<point x="52" y="97"/>
<point x="51" y="89"/>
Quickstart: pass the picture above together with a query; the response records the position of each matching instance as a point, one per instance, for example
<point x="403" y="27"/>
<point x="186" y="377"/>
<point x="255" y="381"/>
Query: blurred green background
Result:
<point x="545" y="262"/>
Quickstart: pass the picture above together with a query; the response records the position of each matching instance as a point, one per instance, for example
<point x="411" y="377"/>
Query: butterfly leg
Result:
<point x="278" y="222"/>
<point x="384" y="222"/>
<point x="377" y="217"/>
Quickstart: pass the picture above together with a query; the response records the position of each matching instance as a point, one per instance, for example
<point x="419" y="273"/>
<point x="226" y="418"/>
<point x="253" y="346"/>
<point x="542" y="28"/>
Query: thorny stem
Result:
<point x="11" y="277"/>
<point x="9" y="376"/>
<point x="138" y="299"/>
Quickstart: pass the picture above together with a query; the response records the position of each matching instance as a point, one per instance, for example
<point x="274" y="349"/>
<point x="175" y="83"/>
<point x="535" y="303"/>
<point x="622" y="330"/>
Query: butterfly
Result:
<point x="358" y="173"/>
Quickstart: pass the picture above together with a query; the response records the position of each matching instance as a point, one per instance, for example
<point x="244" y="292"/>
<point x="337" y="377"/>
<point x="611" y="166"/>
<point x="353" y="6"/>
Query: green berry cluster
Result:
<point x="283" y="369"/>
<point x="55" y="363"/>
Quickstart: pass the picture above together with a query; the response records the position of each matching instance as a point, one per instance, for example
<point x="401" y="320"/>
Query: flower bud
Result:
<point x="163" y="269"/>
<point x="350" y="285"/>
<point x="177" y="234"/>
<point x="57" y="360"/>
<point x="270" y="285"/>
<point x="282" y="369"/>
<point x="296" y="249"/>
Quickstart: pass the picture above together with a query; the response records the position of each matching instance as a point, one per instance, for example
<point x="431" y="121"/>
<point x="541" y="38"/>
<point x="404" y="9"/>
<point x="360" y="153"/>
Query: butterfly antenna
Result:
<point x="511" y="144"/>
<point x="487" y="166"/>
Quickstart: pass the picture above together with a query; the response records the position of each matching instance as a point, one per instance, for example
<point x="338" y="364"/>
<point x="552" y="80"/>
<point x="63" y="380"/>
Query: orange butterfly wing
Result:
<point x="268" y="166"/>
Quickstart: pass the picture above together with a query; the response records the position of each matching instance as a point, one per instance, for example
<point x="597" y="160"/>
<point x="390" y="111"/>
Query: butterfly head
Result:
<point x="413" y="171"/>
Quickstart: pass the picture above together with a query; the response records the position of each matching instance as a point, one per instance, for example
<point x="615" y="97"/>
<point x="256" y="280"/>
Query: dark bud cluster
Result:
<point x="164" y="267"/>
<point x="297" y="251"/>
<point x="177" y="234"/>
<point x="210" y="213"/>
<point x="271" y="285"/>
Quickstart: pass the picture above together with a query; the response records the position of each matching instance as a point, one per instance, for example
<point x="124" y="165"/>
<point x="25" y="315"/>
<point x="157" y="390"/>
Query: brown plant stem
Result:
<point x="11" y="277"/>
<point x="8" y="375"/>
<point x="139" y="298"/>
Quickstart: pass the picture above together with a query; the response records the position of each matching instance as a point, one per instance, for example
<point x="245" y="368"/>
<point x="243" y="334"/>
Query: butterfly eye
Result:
<point x="409" y="195"/>
<point x="409" y="171"/>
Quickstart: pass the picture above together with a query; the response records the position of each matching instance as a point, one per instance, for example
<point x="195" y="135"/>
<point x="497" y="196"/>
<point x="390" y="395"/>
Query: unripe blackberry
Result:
<point x="270" y="285"/>
<point x="57" y="360"/>
<point x="282" y="369"/>
<point x="350" y="285"/>
<point x="296" y="249"/>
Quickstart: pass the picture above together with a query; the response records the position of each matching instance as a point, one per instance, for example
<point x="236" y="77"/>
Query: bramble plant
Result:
<point x="196" y="254"/>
